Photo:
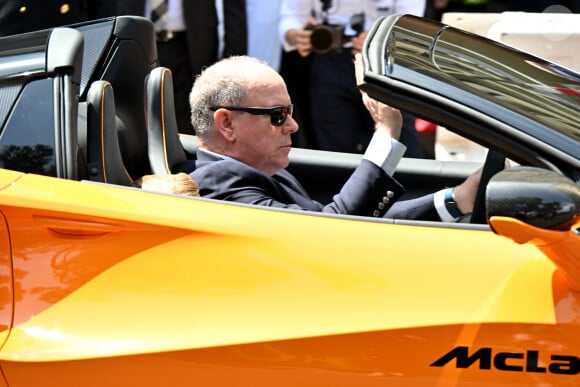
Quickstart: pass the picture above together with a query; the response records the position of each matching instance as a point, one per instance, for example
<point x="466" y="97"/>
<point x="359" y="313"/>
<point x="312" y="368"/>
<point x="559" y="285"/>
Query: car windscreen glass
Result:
<point x="27" y="142"/>
<point x="534" y="88"/>
<point x="532" y="95"/>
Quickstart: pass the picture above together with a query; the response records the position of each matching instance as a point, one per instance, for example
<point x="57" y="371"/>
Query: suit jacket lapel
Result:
<point x="282" y="177"/>
<point x="288" y="180"/>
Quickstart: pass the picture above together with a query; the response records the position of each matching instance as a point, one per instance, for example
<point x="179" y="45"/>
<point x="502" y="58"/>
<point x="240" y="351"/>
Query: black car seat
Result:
<point x="104" y="161"/>
<point x="164" y="146"/>
<point x="121" y="50"/>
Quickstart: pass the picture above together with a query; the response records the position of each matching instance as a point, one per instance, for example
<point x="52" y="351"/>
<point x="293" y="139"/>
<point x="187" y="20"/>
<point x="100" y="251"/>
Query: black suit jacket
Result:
<point x="368" y="192"/>
<point x="201" y="21"/>
<point x="19" y="16"/>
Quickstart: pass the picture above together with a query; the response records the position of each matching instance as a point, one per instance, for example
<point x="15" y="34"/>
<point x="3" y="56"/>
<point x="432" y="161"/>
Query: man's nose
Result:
<point x="290" y="126"/>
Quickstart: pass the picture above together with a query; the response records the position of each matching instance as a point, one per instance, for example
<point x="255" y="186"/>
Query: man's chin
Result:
<point x="283" y="161"/>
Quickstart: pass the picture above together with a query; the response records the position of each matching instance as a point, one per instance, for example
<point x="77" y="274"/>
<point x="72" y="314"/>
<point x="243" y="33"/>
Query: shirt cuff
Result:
<point x="439" y="203"/>
<point x="287" y="46"/>
<point x="385" y="152"/>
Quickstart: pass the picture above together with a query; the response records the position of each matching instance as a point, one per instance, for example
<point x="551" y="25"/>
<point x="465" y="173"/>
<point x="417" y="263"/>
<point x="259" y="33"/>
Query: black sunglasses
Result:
<point x="278" y="114"/>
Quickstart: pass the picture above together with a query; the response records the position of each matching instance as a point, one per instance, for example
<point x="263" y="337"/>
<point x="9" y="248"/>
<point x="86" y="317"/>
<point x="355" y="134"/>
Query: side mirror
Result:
<point x="535" y="196"/>
<point x="540" y="207"/>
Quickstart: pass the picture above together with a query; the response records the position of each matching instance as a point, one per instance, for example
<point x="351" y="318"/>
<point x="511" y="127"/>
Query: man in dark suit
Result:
<point x="243" y="115"/>
<point x="189" y="42"/>
<point x="18" y="16"/>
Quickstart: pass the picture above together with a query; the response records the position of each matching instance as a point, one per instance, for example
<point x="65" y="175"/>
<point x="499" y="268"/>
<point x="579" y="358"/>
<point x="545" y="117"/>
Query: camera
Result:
<point x="328" y="37"/>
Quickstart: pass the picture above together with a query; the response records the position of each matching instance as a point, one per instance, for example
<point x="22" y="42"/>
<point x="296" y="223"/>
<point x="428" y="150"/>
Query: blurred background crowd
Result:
<point x="192" y="34"/>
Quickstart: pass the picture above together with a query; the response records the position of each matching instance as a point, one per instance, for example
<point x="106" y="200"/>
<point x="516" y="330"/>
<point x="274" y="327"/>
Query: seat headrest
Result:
<point x="163" y="143"/>
<point x="104" y="160"/>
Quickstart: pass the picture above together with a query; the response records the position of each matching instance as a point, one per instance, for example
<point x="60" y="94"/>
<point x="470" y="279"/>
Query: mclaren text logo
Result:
<point x="528" y="361"/>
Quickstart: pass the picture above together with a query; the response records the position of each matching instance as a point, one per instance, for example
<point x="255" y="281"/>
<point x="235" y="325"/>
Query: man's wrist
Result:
<point x="451" y="204"/>
<point x="385" y="152"/>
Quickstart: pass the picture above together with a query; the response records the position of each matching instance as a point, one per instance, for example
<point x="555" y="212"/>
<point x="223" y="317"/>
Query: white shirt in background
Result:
<point x="263" y="41"/>
<point x="175" y="21"/>
<point x="293" y="13"/>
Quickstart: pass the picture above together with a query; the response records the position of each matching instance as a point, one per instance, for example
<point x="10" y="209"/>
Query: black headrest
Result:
<point x="122" y="50"/>
<point x="104" y="160"/>
<point x="164" y="146"/>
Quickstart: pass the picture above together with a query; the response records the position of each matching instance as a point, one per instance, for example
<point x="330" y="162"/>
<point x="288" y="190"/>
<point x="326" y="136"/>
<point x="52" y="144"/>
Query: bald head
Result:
<point x="230" y="81"/>
<point x="236" y="69"/>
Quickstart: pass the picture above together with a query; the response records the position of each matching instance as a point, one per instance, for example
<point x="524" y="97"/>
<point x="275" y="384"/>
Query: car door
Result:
<point x="125" y="282"/>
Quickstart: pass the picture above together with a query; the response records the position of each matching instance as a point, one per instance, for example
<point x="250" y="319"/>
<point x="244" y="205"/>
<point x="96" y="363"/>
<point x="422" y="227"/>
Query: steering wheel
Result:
<point x="494" y="163"/>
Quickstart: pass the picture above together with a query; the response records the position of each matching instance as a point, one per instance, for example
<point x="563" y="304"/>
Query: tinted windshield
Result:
<point x="532" y="87"/>
<point x="484" y="75"/>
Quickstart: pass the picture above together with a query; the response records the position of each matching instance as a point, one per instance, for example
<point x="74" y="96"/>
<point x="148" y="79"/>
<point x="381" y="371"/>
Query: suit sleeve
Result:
<point x="421" y="208"/>
<point x="235" y="28"/>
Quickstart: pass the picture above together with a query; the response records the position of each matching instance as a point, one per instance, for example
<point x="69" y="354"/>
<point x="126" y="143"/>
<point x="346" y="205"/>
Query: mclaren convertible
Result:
<point x="105" y="284"/>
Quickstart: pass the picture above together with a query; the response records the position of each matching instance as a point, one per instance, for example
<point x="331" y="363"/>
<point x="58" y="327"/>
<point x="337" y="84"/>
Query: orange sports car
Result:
<point x="106" y="284"/>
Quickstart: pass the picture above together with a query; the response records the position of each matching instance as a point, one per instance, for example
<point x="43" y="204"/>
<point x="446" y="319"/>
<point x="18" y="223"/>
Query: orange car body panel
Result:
<point x="116" y="286"/>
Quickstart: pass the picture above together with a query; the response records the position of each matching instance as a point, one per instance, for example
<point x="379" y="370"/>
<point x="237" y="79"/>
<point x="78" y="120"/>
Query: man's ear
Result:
<point x="223" y="124"/>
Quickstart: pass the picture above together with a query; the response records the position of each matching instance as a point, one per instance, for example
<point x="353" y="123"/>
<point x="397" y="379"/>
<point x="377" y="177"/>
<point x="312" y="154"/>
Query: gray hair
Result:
<point x="223" y="83"/>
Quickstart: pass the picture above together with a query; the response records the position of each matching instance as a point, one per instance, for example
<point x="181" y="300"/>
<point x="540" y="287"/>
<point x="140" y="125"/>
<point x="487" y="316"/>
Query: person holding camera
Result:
<point x="331" y="31"/>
